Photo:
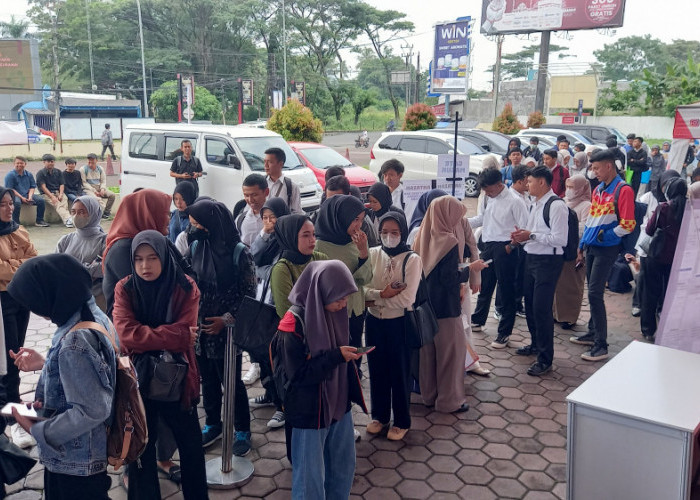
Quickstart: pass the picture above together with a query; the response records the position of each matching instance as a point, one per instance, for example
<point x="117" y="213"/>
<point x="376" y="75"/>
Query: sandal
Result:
<point x="174" y="474"/>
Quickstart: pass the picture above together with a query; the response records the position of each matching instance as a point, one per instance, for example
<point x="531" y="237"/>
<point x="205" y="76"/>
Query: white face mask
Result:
<point x="569" y="194"/>
<point x="590" y="174"/>
<point x="390" y="240"/>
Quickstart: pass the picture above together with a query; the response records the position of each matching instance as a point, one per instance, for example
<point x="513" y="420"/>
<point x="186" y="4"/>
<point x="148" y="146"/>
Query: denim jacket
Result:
<point x="76" y="383"/>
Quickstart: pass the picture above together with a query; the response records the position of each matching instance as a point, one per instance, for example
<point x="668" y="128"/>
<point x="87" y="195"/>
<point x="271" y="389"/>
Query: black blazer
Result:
<point x="443" y="285"/>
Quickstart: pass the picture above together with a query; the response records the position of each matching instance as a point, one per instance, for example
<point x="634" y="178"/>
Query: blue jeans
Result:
<point x="323" y="461"/>
<point x="40" y="206"/>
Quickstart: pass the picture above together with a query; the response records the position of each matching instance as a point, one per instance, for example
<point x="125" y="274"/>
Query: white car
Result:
<point x="418" y="152"/>
<point x="228" y="155"/>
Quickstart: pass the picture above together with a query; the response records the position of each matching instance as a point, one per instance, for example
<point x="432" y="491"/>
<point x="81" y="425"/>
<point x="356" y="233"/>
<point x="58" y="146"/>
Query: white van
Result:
<point x="228" y="154"/>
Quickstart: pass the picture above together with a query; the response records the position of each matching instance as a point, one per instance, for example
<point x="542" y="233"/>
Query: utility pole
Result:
<point x="418" y="75"/>
<point x="143" y="62"/>
<point x="89" y="33"/>
<point x="284" y="50"/>
<point x="56" y="87"/>
<point x="223" y="101"/>
<point x="542" y="71"/>
<point x="497" y="73"/>
<point x="409" y="62"/>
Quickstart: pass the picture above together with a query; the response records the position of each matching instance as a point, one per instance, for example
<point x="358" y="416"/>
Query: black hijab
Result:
<point x="213" y="260"/>
<point x="54" y="286"/>
<point x="277" y="205"/>
<point x="152" y="300"/>
<point x="383" y="195"/>
<point x="268" y="255"/>
<point x="664" y="178"/>
<point x="187" y="191"/>
<point x="12" y="226"/>
<point x="287" y="233"/>
<point x="335" y="217"/>
<point x="677" y="194"/>
<point x="403" y="227"/>
<point x="422" y="206"/>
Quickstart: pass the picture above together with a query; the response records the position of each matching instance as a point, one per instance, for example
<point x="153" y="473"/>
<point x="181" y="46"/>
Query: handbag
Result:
<point x="161" y="374"/>
<point x="256" y="322"/>
<point x="420" y="323"/>
<point x="15" y="463"/>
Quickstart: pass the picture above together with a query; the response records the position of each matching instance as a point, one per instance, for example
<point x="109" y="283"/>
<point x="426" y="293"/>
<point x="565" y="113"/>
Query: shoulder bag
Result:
<point x="420" y="323"/>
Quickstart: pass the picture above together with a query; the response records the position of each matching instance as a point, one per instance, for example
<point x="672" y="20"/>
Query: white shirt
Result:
<point x="548" y="240"/>
<point x="396" y="196"/>
<point x="278" y="189"/>
<point x="499" y="216"/>
<point x="251" y="225"/>
<point x="525" y="196"/>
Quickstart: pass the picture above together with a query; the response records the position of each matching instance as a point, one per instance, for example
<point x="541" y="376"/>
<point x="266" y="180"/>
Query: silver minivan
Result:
<point x="228" y="154"/>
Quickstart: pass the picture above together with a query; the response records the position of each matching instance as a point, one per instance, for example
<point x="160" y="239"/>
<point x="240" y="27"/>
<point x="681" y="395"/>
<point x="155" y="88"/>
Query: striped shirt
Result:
<point x="603" y="227"/>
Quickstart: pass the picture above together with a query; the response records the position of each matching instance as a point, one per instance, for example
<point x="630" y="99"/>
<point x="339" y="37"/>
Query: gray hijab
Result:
<point x="92" y="205"/>
<point x="322" y="283"/>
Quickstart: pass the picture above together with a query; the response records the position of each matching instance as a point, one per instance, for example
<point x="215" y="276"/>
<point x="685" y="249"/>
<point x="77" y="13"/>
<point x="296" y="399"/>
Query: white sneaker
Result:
<point x="277" y="420"/>
<point x="252" y="374"/>
<point x="20" y="437"/>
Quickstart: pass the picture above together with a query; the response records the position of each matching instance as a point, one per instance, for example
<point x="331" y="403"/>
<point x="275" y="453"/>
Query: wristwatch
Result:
<point x="532" y="237"/>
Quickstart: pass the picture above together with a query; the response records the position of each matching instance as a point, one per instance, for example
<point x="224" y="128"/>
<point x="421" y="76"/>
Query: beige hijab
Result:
<point x="581" y="191"/>
<point x="440" y="231"/>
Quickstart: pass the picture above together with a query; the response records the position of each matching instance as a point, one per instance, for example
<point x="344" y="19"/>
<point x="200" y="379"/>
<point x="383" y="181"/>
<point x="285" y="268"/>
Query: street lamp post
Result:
<point x="284" y="50"/>
<point x="143" y="63"/>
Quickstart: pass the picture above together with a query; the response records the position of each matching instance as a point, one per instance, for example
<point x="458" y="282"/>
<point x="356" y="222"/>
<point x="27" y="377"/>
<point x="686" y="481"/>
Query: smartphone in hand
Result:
<point x="365" y="350"/>
<point x="398" y="285"/>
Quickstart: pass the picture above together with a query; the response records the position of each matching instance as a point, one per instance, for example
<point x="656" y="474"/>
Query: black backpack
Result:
<point x="279" y="375"/>
<point x="571" y="248"/>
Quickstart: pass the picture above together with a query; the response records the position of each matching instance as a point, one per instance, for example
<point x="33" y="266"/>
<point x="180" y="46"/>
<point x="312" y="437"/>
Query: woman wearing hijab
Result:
<point x="77" y="378"/>
<point x="514" y="143"/>
<point x="338" y="235"/>
<point x="419" y="212"/>
<point x="440" y="243"/>
<point x="668" y="216"/>
<point x="367" y="225"/>
<point x="380" y="202"/>
<point x="323" y="383"/>
<point x="396" y="273"/>
<point x="580" y="166"/>
<point x="155" y="309"/>
<point x="183" y="196"/>
<point x="223" y="283"/>
<point x="139" y="211"/>
<point x="569" y="292"/>
<point x="15" y="248"/>
<point x="87" y="242"/>
<point x="266" y="249"/>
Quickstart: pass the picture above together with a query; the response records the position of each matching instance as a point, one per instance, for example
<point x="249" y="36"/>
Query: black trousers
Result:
<point x="519" y="278"/>
<point x="541" y="276"/>
<point x="636" y="181"/>
<point x="143" y="474"/>
<point x="357" y="327"/>
<point x="66" y="487"/>
<point x="653" y="294"/>
<point x="599" y="262"/>
<point x="212" y="374"/>
<point x="502" y="271"/>
<point x="389" y="370"/>
<point x="263" y="359"/>
<point x="111" y="150"/>
<point x="16" y="319"/>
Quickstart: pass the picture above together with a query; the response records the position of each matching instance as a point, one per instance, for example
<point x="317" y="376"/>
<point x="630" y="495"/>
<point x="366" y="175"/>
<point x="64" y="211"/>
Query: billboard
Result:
<point x="527" y="16"/>
<point x="16" y="67"/>
<point x="449" y="68"/>
<point x="247" y="88"/>
<point x="299" y="91"/>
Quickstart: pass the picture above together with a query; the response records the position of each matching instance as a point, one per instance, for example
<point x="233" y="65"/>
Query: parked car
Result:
<point x="489" y="141"/>
<point x="418" y="151"/>
<point x="228" y="154"/>
<point x="35" y="136"/>
<point x="597" y="133"/>
<point x="572" y="136"/>
<point x="318" y="158"/>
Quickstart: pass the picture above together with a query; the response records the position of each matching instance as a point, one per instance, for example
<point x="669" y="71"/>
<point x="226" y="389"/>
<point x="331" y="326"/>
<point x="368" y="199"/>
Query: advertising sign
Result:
<point x="527" y="16"/>
<point x="247" y="88"/>
<point x="299" y="91"/>
<point x="16" y="66"/>
<point x="451" y="57"/>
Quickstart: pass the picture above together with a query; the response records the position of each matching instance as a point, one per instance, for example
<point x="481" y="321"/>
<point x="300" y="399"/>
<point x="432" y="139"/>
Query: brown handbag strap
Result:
<point x="93" y="325"/>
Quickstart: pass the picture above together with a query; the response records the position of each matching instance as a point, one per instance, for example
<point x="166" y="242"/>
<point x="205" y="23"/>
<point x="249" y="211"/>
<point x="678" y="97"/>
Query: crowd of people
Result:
<point x="170" y="284"/>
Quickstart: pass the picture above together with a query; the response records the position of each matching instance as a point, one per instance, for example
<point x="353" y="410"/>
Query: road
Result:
<point x="344" y="143"/>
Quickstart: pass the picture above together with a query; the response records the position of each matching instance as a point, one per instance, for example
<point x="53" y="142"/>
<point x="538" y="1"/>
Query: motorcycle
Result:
<point x="391" y="126"/>
<point x="362" y="142"/>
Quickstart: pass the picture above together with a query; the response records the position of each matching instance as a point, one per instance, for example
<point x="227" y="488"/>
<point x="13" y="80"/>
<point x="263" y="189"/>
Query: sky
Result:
<point x="641" y="17"/>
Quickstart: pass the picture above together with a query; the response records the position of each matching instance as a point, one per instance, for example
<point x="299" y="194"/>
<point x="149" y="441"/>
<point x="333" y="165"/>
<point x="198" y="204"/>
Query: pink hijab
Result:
<point x="440" y="231"/>
<point x="581" y="191"/>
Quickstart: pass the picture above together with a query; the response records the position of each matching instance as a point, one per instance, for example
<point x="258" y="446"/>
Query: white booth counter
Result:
<point x="633" y="427"/>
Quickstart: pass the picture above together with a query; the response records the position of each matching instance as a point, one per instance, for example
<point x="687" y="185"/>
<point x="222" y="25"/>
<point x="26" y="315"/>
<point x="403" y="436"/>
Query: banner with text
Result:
<point x="451" y="57"/>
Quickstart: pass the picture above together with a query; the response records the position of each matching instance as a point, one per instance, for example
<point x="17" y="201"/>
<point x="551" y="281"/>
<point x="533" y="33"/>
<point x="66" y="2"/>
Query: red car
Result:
<point x="319" y="157"/>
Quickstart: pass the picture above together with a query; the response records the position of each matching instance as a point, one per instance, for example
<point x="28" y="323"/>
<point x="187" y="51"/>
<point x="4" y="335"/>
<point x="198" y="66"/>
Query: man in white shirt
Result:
<point x="391" y="173"/>
<point x="500" y="213"/>
<point x="249" y="223"/>
<point x="544" y="238"/>
<point x="281" y="186"/>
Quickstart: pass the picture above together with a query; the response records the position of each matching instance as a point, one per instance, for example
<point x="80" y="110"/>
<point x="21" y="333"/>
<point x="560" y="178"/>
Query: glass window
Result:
<point x="465" y="147"/>
<point x="325" y="157"/>
<point x="172" y="146"/>
<point x="253" y="149"/>
<point x="143" y="146"/>
<point x="412" y="145"/>
<point x="217" y="151"/>
<point x="437" y="148"/>
<point x="390" y="142"/>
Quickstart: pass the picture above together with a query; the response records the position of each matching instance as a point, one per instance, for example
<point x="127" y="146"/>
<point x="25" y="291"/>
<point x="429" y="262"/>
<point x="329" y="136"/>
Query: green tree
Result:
<point x="628" y="57"/>
<point x="372" y="73"/>
<point x="361" y="99"/>
<point x="536" y="119"/>
<point x="507" y="122"/>
<point x="295" y="122"/>
<point x="164" y="101"/>
<point x="677" y="51"/>
<point x="515" y="66"/>
<point x="678" y="86"/>
<point x="615" y="99"/>
<point x="14" y="28"/>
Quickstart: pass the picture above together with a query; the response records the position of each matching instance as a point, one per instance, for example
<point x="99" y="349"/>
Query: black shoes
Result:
<point x="501" y="342"/>
<point x="462" y="409"/>
<point x="587" y="339"/>
<point x="526" y="350"/>
<point x="538" y="369"/>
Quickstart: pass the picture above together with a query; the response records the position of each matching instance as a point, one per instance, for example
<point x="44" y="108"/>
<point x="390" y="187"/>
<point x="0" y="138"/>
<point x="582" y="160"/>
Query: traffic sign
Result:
<point x="188" y="113"/>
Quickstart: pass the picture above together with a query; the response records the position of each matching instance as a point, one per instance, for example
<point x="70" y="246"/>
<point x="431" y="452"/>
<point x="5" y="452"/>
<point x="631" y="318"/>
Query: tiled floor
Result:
<point x="510" y="444"/>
